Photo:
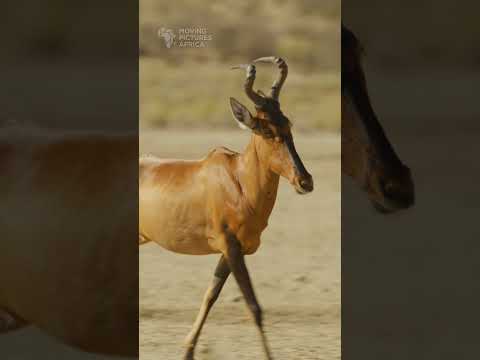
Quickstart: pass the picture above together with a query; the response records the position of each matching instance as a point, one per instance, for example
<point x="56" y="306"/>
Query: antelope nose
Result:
<point x="307" y="183"/>
<point x="403" y="198"/>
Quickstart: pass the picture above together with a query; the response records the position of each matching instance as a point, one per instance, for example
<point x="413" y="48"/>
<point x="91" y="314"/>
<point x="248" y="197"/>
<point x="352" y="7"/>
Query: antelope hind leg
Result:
<point x="211" y="295"/>
<point x="236" y="261"/>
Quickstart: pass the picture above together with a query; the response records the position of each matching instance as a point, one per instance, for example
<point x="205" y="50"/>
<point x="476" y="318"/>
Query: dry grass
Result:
<point x="196" y="94"/>
<point x="304" y="31"/>
<point x="190" y="87"/>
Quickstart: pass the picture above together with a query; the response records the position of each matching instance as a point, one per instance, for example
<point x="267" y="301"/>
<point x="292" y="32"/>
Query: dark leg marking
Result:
<point x="236" y="261"/>
<point x="221" y="274"/>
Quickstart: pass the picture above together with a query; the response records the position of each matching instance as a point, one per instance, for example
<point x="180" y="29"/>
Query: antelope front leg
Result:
<point x="221" y="274"/>
<point x="236" y="261"/>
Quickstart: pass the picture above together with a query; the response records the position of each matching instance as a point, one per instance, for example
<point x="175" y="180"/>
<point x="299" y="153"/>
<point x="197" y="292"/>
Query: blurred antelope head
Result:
<point x="367" y="154"/>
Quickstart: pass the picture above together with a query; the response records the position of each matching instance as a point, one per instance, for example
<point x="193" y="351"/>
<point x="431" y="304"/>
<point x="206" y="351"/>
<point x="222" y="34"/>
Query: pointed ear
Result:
<point x="242" y="115"/>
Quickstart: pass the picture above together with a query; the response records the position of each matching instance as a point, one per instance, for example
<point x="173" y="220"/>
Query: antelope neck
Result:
<point x="258" y="182"/>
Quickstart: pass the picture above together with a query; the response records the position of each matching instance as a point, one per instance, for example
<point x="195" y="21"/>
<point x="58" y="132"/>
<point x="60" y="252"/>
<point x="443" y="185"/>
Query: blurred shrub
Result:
<point x="306" y="31"/>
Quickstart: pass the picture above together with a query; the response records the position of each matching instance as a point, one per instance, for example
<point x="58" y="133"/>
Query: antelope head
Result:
<point x="367" y="155"/>
<point x="272" y="127"/>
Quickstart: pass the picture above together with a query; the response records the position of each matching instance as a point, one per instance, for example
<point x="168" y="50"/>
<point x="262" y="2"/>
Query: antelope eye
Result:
<point x="268" y="133"/>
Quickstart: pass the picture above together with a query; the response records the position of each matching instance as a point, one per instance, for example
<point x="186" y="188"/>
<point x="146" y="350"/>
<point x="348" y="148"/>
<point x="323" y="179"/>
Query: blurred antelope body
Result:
<point x="221" y="204"/>
<point x="67" y="254"/>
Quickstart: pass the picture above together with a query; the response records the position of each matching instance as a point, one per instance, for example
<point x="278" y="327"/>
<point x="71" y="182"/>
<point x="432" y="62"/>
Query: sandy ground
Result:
<point x="296" y="271"/>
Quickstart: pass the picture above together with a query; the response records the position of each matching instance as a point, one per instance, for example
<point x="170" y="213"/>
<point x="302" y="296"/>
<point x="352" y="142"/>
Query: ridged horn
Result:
<point x="248" y="86"/>
<point x="282" y="65"/>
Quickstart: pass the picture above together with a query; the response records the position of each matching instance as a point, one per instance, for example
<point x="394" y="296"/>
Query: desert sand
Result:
<point x="295" y="272"/>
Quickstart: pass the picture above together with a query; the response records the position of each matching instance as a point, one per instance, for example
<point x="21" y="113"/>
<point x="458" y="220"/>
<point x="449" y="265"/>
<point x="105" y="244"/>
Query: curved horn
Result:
<point x="251" y="73"/>
<point x="282" y="65"/>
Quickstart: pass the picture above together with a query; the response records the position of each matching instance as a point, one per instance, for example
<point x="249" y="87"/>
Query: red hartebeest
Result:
<point x="367" y="155"/>
<point x="68" y="223"/>
<point x="221" y="204"/>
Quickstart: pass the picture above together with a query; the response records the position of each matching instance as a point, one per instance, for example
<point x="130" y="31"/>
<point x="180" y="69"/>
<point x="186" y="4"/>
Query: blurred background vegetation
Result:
<point x="67" y="64"/>
<point x="190" y="87"/>
<point x="433" y="34"/>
